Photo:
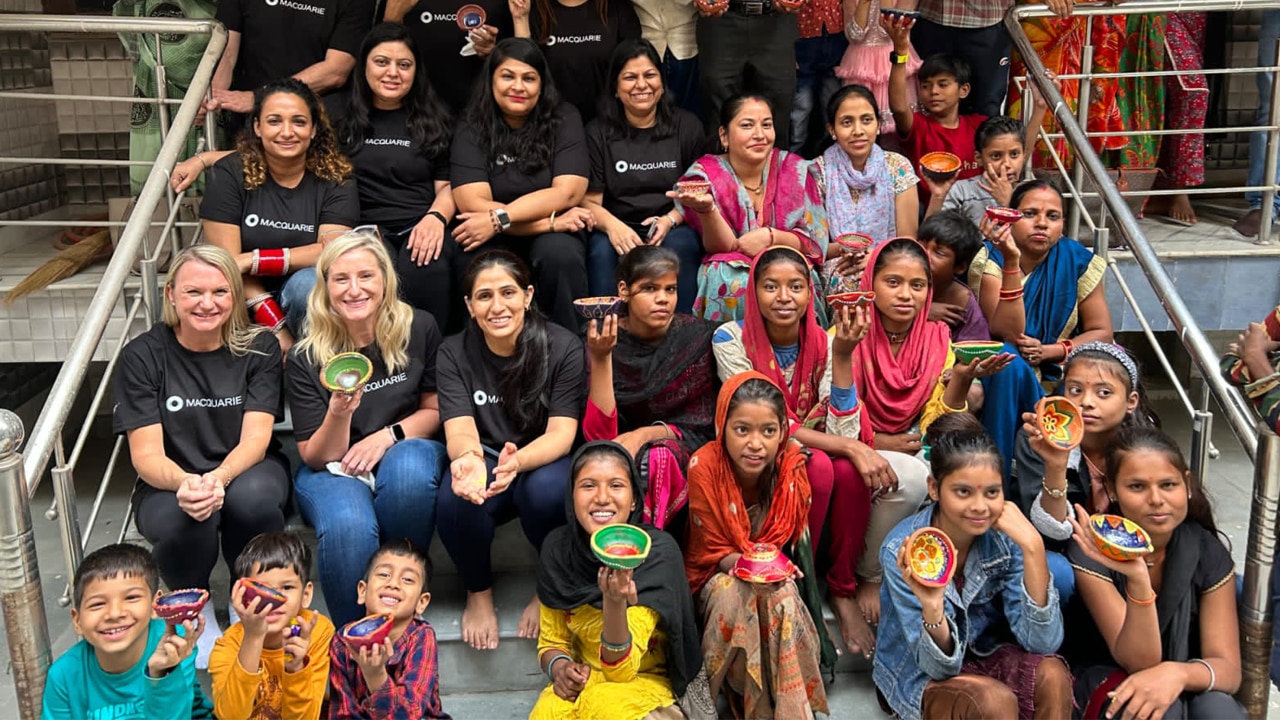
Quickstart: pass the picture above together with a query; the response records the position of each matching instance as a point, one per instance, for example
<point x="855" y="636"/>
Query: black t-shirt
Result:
<point x="506" y="181"/>
<point x="635" y="173"/>
<point x="279" y="38"/>
<point x="387" y="399"/>
<point x="470" y="375"/>
<point x="579" y="47"/>
<point x="434" y="27"/>
<point x="395" y="181"/>
<point x="198" y="398"/>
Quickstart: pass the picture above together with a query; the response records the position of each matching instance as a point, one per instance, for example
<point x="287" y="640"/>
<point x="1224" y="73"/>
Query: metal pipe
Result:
<point x="25" y="626"/>
<point x="1151" y="338"/>
<point x="64" y="494"/>
<point x="1201" y="432"/>
<point x="107" y="24"/>
<point x="1259" y="562"/>
<point x="1142" y="7"/>
<point x="71" y="375"/>
<point x="1082" y="110"/>
<point x="1238" y="413"/>
<point x="91" y="98"/>
<point x="1273" y="155"/>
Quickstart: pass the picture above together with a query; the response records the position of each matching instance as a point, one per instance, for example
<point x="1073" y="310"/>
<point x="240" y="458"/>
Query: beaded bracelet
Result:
<point x="933" y="626"/>
<point x="611" y="647"/>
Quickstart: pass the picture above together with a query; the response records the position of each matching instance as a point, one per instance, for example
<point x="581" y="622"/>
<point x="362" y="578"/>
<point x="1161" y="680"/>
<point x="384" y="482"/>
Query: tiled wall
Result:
<point x="40" y="328"/>
<point x="27" y="126"/>
<point x="92" y="65"/>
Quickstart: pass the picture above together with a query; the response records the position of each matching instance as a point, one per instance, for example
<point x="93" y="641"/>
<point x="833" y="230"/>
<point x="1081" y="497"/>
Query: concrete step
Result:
<point x="463" y="669"/>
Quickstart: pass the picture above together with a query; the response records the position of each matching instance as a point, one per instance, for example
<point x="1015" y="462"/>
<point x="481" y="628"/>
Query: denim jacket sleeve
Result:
<point x="1038" y="629"/>
<point x="928" y="656"/>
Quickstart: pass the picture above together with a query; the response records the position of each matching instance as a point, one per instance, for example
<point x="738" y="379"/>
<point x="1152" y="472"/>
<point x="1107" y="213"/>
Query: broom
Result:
<point x="84" y="253"/>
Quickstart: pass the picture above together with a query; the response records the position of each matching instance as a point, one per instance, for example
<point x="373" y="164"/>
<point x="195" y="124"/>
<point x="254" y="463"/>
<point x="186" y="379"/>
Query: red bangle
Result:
<point x="269" y="314"/>
<point x="1067" y="347"/>
<point x="1015" y="271"/>
<point x="273" y="263"/>
<point x="1012" y="294"/>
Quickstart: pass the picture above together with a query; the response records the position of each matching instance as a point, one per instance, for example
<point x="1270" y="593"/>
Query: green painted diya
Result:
<point x="620" y="546"/>
<point x="346" y="372"/>
<point x="971" y="351"/>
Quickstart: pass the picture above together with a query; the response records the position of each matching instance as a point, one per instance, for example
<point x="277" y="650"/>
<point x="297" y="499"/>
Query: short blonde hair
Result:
<point x="326" y="334"/>
<point x="237" y="332"/>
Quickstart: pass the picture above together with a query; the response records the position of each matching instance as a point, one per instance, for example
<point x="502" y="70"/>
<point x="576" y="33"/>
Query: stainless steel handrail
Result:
<point x="48" y="426"/>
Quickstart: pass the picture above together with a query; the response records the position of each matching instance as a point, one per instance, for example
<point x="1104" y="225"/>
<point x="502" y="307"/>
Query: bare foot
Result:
<point x="854" y="629"/>
<point x="1175" y="207"/>
<point x="480" y="621"/>
<point x="868" y="597"/>
<point x="530" y="620"/>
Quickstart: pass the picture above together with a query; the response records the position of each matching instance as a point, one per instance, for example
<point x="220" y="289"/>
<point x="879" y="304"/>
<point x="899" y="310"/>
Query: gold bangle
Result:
<point x="551" y="224"/>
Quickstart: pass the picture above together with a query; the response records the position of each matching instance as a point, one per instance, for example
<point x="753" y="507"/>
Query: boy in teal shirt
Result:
<point x="127" y="664"/>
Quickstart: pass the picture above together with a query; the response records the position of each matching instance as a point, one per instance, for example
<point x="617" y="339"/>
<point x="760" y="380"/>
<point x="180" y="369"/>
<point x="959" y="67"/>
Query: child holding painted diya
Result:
<point x="943" y="651"/>
<point x="1167" y="634"/>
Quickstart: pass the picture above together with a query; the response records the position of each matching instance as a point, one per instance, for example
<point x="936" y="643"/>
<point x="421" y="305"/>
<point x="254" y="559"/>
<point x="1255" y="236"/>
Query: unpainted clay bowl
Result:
<point x="854" y="242"/>
<point x="940" y="167"/>
<point x="1060" y="421"/>
<point x="1119" y="538"/>
<point x="971" y="351"/>
<point x="180" y="605"/>
<point x="346" y="372"/>
<point x="932" y="556"/>
<point x="763" y="563"/>
<point x="1003" y="215"/>
<point x="598" y="308"/>
<point x="851" y="299"/>
<point x="368" y="631"/>
<point x="621" y="546"/>
<point x="271" y="597"/>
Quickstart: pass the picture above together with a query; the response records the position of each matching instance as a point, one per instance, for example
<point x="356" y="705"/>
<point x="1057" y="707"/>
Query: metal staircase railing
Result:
<point x="1262" y="446"/>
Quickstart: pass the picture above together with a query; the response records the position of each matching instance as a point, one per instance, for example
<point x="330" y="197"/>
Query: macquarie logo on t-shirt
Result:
<point x="292" y="5"/>
<point x="504" y="160"/>
<point x="385" y="382"/>
<point x="254" y="220"/>
<point x="623" y="166"/>
<point x="177" y="403"/>
<point x="402" y="142"/>
<point x="427" y="17"/>
<point x="571" y="39"/>
<point x="481" y="398"/>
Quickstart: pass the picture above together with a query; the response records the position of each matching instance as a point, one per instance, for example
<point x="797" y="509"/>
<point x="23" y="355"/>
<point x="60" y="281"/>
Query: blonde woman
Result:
<point x="196" y="396"/>
<point x="369" y="471"/>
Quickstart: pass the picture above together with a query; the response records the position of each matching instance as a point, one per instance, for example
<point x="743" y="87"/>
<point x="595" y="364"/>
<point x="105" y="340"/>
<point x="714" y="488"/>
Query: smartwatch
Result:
<point x="397" y="431"/>
<point x="504" y="220"/>
<point x="896" y="59"/>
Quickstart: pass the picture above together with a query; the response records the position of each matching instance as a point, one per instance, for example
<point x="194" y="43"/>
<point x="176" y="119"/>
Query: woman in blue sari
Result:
<point x="1041" y="296"/>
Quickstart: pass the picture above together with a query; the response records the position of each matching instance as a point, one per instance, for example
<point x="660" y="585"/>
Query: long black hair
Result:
<point x="952" y="450"/>
<point x="757" y="390"/>
<point x="903" y="246"/>
<point x="613" y="115"/>
<point x="531" y="144"/>
<point x="1134" y="438"/>
<point x="430" y="126"/>
<point x="1028" y="186"/>
<point x="523" y="389"/>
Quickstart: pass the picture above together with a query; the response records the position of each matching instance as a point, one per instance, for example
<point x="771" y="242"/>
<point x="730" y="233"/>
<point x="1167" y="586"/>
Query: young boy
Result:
<point x="952" y="242"/>
<point x="398" y="679"/>
<point x="267" y="665"/>
<point x="126" y="665"/>
<point x="1001" y="154"/>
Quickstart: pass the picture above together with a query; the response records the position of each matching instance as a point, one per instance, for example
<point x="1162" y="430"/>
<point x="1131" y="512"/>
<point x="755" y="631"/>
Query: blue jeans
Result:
<point x="682" y="82"/>
<point x="292" y="297"/>
<point x="351" y="520"/>
<point x="537" y="497"/>
<point x="1267" y="36"/>
<point x="1064" y="577"/>
<point x="602" y="263"/>
<point x="816" y="61"/>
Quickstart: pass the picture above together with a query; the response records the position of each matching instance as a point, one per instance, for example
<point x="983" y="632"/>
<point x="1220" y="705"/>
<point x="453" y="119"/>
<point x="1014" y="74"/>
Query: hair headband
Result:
<point x="1113" y="351"/>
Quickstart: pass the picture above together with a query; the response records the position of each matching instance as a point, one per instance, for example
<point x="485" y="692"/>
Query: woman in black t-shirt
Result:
<point x="196" y="396"/>
<point x="519" y="169"/>
<point x="578" y="38"/>
<point x="397" y="134"/>
<point x="511" y="395"/>
<point x="273" y="201"/>
<point x="639" y="147"/>
<point x="370" y="472"/>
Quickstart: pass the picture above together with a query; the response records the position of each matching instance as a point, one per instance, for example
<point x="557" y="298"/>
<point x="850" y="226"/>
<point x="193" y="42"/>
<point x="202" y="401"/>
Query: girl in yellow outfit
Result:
<point x="615" y="644"/>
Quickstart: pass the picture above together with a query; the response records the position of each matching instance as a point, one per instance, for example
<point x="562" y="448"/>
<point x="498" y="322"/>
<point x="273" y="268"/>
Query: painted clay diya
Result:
<point x="271" y="597"/>
<point x="621" y="546"/>
<point x="939" y="167"/>
<point x="932" y="557"/>
<point x="971" y="351"/>
<point x="763" y="563"/>
<point x="597" y="308"/>
<point x="854" y="242"/>
<point x="1060" y="421"/>
<point x="693" y="187"/>
<point x="1119" y="538"/>
<point x="1003" y="215"/>
<point x="180" y="605"/>
<point x="368" y="631"/>
<point x="851" y="299"/>
<point x="895" y="14"/>
<point x="346" y="372"/>
<point x="470" y="17"/>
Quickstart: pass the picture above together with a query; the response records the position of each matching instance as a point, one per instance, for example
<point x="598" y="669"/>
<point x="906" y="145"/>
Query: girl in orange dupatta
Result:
<point x="749" y="486"/>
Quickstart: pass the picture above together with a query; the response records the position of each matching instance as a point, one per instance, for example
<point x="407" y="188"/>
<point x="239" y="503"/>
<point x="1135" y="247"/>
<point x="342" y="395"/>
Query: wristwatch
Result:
<point x="504" y="220"/>
<point x="397" y="431"/>
<point x="896" y="59"/>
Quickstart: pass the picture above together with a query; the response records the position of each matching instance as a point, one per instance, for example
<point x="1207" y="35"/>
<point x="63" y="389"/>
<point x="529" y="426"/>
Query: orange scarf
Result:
<point x="720" y="525"/>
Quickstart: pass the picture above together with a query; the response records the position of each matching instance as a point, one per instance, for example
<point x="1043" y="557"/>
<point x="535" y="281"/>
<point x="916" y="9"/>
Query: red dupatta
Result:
<point x="895" y="389"/>
<point x="802" y="392"/>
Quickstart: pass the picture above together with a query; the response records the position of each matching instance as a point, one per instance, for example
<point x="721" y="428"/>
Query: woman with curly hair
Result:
<point x="272" y="202"/>
<point x="520" y="169"/>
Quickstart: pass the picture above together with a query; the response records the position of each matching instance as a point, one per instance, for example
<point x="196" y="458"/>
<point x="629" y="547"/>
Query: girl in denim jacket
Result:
<point x="946" y="651"/>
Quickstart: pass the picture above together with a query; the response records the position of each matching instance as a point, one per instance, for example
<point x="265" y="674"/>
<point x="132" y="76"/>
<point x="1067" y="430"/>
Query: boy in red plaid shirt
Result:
<point x="400" y="678"/>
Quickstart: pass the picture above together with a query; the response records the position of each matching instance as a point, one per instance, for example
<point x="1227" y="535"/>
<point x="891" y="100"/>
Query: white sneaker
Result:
<point x="204" y="644"/>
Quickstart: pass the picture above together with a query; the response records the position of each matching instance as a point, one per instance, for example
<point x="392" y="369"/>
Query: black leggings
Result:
<point x="186" y="550"/>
